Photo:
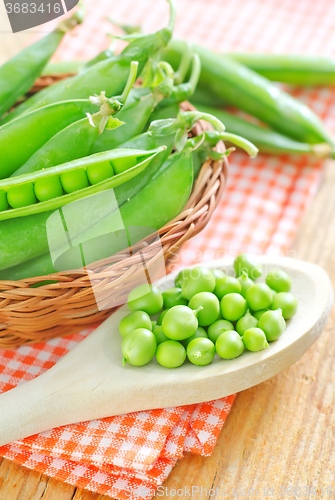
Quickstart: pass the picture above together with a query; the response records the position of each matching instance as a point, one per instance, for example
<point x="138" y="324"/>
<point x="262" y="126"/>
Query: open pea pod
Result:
<point x="57" y="186"/>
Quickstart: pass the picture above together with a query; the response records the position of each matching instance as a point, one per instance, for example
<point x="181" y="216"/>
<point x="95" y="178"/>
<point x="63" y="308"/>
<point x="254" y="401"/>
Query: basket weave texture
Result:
<point x="30" y="315"/>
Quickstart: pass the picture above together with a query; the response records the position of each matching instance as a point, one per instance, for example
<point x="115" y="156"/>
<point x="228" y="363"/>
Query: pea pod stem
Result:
<point x="196" y="311"/>
<point x="183" y="91"/>
<point x="181" y="72"/>
<point x="130" y="82"/>
<point x="239" y="141"/>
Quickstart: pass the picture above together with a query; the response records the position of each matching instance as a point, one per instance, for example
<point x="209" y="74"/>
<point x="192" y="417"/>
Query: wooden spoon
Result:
<point x="90" y="382"/>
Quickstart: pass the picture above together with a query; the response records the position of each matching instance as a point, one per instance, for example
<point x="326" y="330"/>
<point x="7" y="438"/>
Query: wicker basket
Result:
<point x="30" y="315"/>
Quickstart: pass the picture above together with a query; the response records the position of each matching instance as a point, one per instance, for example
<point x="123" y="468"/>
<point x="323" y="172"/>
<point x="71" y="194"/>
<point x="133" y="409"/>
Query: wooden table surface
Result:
<point x="279" y="436"/>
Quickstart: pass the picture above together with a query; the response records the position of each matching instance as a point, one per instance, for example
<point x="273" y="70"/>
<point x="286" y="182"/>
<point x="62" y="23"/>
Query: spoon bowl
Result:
<point x="90" y="382"/>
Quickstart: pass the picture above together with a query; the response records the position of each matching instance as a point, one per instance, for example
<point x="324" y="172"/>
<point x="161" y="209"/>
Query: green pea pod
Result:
<point x="25" y="236"/>
<point x="238" y="85"/>
<point x="163" y="113"/>
<point x="155" y="205"/>
<point x="265" y="139"/>
<point x="139" y="160"/>
<point x="19" y="73"/>
<point x="77" y="140"/>
<point x="110" y="74"/>
<point x="74" y="67"/>
<point x="34" y="129"/>
<point x="302" y="70"/>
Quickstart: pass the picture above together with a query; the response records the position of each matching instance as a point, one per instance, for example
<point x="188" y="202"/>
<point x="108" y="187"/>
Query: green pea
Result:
<point x="210" y="307"/>
<point x="121" y="164"/>
<point x="145" y="298"/>
<point x="138" y="347"/>
<point x="217" y="273"/>
<point x="179" y="323"/>
<point x="181" y="276"/>
<point x="215" y="330"/>
<point x="249" y="264"/>
<point x="99" y="172"/>
<point x="173" y="297"/>
<point x="273" y="324"/>
<point x="201" y="351"/>
<point x="247" y="321"/>
<point x="171" y="354"/>
<point x="287" y="303"/>
<point x="245" y="283"/>
<point x="226" y="285"/>
<point x="259" y="314"/>
<point x="21" y="196"/>
<point x="229" y="345"/>
<point x="254" y="339"/>
<point x="233" y="306"/>
<point x="48" y="188"/>
<point x="278" y="280"/>
<point x="3" y="200"/>
<point x="259" y="296"/>
<point x="161" y="317"/>
<point x="134" y="320"/>
<point x="199" y="333"/>
<point x="159" y="334"/>
<point x="196" y="280"/>
<point x="74" y="180"/>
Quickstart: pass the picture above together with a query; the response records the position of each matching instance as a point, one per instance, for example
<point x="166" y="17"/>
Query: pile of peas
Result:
<point x="47" y="188"/>
<point x="207" y="312"/>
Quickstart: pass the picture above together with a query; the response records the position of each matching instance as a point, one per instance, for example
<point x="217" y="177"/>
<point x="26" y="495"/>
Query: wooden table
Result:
<point x="279" y="434"/>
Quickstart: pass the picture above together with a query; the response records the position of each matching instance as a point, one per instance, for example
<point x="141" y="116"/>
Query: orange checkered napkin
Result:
<point x="129" y="456"/>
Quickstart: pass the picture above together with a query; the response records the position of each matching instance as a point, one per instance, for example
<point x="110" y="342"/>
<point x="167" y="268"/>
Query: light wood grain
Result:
<point x="281" y="431"/>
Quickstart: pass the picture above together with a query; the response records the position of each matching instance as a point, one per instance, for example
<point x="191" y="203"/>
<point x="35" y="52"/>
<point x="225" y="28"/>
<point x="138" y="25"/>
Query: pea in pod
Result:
<point x="78" y="179"/>
<point x="110" y="74"/>
<point x="237" y="85"/>
<point x="19" y="73"/>
<point x="77" y="140"/>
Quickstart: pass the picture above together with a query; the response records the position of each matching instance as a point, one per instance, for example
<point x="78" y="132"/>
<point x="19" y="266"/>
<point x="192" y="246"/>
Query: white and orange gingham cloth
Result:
<point x="129" y="456"/>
